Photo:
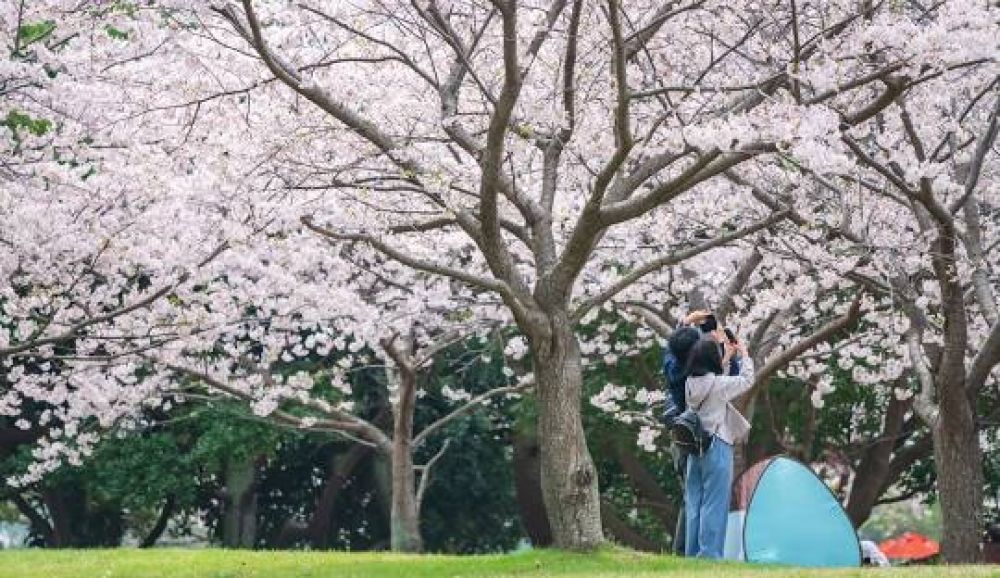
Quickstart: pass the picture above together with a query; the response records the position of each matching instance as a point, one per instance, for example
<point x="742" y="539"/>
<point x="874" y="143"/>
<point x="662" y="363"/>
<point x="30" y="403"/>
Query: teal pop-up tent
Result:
<point x="782" y="513"/>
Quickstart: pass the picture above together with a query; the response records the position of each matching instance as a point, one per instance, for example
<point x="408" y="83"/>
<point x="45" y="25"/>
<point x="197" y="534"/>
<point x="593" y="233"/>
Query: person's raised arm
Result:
<point x="736" y="385"/>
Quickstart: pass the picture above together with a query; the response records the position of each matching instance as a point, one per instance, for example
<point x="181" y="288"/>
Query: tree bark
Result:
<point x="958" y="460"/>
<point x="39" y="525"/>
<point x="872" y="473"/>
<point x="61" y="516"/>
<point x="404" y="514"/>
<point x="569" y="479"/>
<point x="528" y="487"/>
<point x="405" y="517"/>
<point x="957" y="454"/>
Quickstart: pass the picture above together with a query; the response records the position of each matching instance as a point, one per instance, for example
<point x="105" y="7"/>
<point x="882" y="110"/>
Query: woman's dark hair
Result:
<point x="682" y="341"/>
<point x="705" y="358"/>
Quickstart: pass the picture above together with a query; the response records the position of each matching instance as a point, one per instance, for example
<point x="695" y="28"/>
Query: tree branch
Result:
<point x="75" y="329"/>
<point x="976" y="164"/>
<point x="824" y="333"/>
<point x="342" y="421"/>
<point x="425" y="473"/>
<point x="471" y="406"/>
<point x="410" y="261"/>
<point x="984" y="362"/>
<point x="738" y="283"/>
<point x="668" y="260"/>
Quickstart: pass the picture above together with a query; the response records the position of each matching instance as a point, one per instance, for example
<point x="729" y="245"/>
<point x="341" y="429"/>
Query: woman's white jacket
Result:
<point x="711" y="396"/>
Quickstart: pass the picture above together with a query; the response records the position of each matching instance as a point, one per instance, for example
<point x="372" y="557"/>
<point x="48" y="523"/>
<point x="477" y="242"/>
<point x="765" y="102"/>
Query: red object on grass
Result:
<point x="910" y="546"/>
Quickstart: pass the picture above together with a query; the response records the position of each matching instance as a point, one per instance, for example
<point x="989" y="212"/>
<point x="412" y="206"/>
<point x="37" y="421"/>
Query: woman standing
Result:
<point x="709" y="477"/>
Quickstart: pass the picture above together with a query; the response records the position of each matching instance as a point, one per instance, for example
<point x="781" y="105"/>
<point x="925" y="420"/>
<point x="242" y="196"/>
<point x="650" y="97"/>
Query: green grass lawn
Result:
<point x="608" y="563"/>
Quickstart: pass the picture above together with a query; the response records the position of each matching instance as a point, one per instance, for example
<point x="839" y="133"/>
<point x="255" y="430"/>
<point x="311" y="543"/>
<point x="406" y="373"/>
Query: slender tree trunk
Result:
<point x="239" y="523"/>
<point x="569" y="479"/>
<point x="61" y="516"/>
<point x="958" y="460"/>
<point x="405" y="516"/>
<point x="873" y="470"/>
<point x="381" y="465"/>
<point x="161" y="523"/>
<point x="662" y="506"/>
<point x="39" y="525"/>
<point x="340" y="468"/>
<point x="625" y="534"/>
<point x="741" y="461"/>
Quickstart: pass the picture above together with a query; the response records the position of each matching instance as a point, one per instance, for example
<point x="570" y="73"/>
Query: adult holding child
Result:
<point x="709" y="391"/>
<point x="695" y="325"/>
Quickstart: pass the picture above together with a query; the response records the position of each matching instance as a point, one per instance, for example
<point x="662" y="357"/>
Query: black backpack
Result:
<point x="687" y="432"/>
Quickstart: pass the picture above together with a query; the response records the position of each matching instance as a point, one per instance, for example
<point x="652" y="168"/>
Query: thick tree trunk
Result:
<point x="958" y="460"/>
<point x="77" y="521"/>
<point x="569" y="479"/>
<point x="528" y="487"/>
<point x="61" y="516"/>
<point x="957" y="455"/>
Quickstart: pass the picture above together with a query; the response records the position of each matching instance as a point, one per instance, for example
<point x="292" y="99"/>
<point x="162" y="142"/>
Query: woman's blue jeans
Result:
<point x="706" y="500"/>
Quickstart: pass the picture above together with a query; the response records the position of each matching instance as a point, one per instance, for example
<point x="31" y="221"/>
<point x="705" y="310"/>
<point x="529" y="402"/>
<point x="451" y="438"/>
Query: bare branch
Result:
<point x="639" y="39"/>
<point x="411" y="261"/>
<point x="425" y="473"/>
<point x="341" y="422"/>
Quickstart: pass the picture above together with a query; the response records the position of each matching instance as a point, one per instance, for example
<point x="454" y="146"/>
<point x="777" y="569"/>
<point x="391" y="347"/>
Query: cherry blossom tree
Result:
<point x="294" y="402"/>
<point x="924" y="217"/>
<point x="515" y="177"/>
<point x="911" y="222"/>
<point x="542" y="156"/>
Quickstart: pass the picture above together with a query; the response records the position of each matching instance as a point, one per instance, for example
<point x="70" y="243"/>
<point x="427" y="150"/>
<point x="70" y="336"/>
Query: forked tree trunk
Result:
<point x="958" y="460"/>
<point x="569" y="479"/>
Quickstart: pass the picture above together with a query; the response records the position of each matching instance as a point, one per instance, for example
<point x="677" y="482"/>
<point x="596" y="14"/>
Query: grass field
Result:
<point x="609" y="563"/>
